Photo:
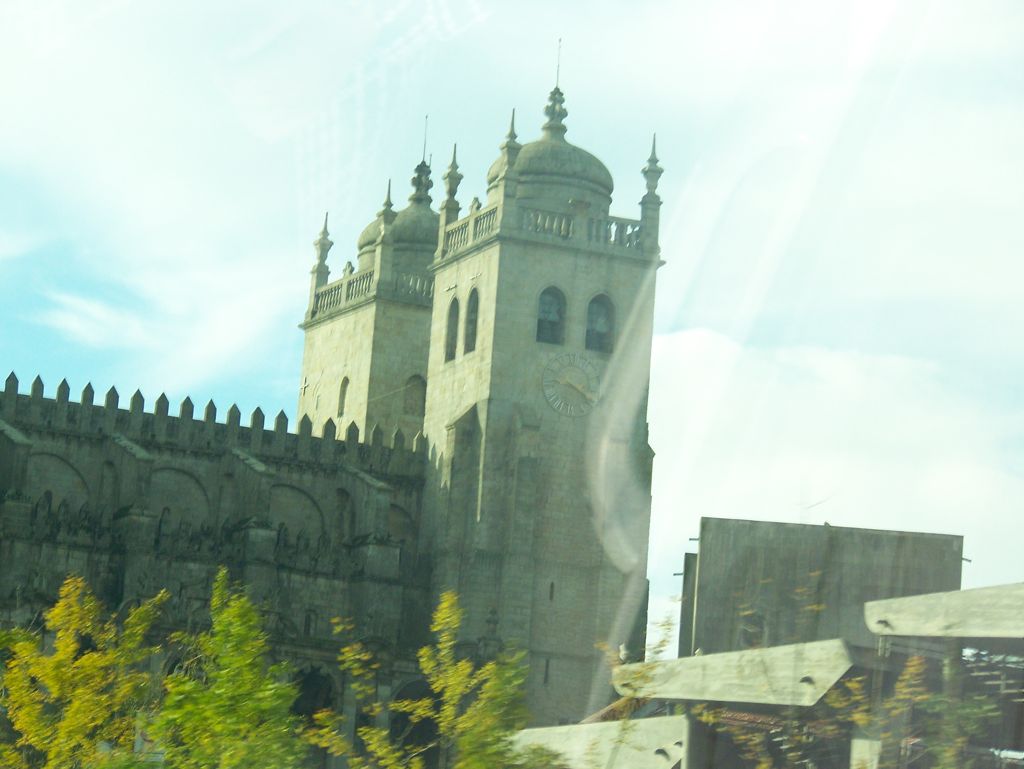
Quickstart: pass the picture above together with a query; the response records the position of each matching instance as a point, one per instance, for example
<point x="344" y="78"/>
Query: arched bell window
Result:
<point x="551" y="316"/>
<point x="451" y="340"/>
<point x="472" y="312"/>
<point x="342" y="396"/>
<point x="600" y="324"/>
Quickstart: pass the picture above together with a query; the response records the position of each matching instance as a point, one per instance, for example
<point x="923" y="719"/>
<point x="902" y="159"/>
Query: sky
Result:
<point x="842" y="228"/>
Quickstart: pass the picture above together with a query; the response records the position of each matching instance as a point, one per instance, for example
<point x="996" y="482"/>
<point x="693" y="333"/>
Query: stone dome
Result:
<point x="554" y="157"/>
<point x="369" y="234"/>
<point x="551" y="157"/>
<point x="415" y="224"/>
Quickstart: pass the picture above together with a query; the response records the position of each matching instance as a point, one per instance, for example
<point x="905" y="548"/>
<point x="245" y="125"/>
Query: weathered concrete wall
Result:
<point x="761" y="583"/>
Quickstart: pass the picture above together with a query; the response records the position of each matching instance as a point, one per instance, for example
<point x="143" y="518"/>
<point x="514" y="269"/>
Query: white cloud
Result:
<point x="15" y="244"/>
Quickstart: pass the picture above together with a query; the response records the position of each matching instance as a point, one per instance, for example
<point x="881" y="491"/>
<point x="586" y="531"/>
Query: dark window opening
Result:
<point x="551" y="316"/>
<point x="342" y="396"/>
<point x="451" y="340"/>
<point x="472" y="312"/>
<point x="551" y="592"/>
<point x="547" y="670"/>
<point x="600" y="324"/>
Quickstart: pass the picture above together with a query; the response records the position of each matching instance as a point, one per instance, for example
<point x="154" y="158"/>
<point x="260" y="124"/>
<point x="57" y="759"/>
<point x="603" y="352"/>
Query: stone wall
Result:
<point x="137" y="501"/>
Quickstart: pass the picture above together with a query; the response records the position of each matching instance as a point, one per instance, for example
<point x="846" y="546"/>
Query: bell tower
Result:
<point x="367" y="332"/>
<point x="537" y="496"/>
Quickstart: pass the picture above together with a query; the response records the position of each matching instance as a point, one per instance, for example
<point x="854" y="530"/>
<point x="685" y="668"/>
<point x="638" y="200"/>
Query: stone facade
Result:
<point x="520" y="316"/>
<point x="472" y="417"/>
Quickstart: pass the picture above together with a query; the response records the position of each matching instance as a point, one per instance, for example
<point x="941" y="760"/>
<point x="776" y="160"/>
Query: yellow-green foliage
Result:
<point x="476" y="709"/>
<point x="76" y="706"/>
<point x="228" y="708"/>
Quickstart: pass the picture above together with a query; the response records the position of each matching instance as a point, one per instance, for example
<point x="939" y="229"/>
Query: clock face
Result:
<point x="570" y="383"/>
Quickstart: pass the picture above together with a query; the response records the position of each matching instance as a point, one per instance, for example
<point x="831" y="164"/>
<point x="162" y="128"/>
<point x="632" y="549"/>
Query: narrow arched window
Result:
<point x="472" y="311"/>
<point x="451" y="340"/>
<point x="551" y="316"/>
<point x="415" y="396"/>
<point x="342" y="396"/>
<point x="600" y="324"/>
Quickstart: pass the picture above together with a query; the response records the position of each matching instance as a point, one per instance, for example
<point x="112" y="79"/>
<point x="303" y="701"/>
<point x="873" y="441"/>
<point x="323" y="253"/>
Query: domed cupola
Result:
<point x="417" y="223"/>
<point x="371" y="233"/>
<point x="552" y="161"/>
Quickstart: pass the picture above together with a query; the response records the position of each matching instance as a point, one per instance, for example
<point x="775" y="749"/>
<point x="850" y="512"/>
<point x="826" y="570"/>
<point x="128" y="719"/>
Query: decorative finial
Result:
<point x="387" y="213"/>
<point x="556" y="113"/>
<point x="421" y="184"/>
<point x="323" y="243"/>
<point x="652" y="171"/>
<point x="452" y="177"/>
<point x="511" y="135"/>
<point x="558" y="62"/>
<point x="426" y="118"/>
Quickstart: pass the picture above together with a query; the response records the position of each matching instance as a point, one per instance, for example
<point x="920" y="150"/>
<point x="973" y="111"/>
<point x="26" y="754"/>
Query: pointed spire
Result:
<point x="652" y="171"/>
<point x="387" y="212"/>
<point x="510" y="147"/>
<point x="421" y="184"/>
<point x="323" y="243"/>
<point x="452" y="177"/>
<point x="554" y="128"/>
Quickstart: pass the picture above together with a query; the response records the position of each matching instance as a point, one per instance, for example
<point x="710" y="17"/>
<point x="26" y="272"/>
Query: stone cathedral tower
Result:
<point x="510" y="344"/>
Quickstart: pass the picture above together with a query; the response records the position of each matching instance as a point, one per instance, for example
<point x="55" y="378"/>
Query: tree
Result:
<point x="475" y="709"/>
<point x="227" y="707"/>
<point x="77" y="705"/>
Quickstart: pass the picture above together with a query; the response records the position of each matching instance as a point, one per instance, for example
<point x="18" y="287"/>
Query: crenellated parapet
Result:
<point x="386" y="456"/>
<point x="138" y="499"/>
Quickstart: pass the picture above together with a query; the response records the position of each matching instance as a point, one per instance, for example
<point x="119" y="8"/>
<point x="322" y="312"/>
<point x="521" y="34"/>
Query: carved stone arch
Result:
<point x="402" y="526"/>
<point x="53" y="473"/>
<point x="317" y="690"/>
<point x="299" y="514"/>
<point x="423" y="733"/>
<point x="181" y="492"/>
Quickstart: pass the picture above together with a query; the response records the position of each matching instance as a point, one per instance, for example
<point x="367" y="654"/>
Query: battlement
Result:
<point x="395" y="455"/>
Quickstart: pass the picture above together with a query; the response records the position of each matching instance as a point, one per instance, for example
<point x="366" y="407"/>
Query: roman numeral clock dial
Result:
<point x="570" y="383"/>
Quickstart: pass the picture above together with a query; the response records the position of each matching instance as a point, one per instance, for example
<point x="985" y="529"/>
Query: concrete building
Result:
<point x="472" y="408"/>
<point x="759" y="583"/>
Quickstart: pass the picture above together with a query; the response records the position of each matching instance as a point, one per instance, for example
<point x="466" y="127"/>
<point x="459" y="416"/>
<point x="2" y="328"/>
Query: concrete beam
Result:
<point x="797" y="674"/>
<point x="985" y="612"/>
<point x="646" y="743"/>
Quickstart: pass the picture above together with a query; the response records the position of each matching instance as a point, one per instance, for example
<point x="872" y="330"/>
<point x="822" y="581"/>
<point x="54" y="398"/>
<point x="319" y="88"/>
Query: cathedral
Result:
<point x="471" y="416"/>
